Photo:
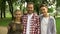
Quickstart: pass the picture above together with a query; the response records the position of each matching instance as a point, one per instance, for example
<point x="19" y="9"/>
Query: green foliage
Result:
<point x="0" y="3"/>
<point x="5" y="22"/>
<point x="58" y="2"/>
<point x="50" y="10"/>
<point x="58" y="25"/>
<point x="11" y="1"/>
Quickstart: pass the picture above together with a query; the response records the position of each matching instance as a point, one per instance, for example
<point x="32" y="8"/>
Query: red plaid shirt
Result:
<point x="35" y="24"/>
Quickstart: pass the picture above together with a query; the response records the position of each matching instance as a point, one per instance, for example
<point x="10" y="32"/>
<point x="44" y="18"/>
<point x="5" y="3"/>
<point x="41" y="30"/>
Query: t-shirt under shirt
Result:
<point x="44" y="25"/>
<point x="28" y="23"/>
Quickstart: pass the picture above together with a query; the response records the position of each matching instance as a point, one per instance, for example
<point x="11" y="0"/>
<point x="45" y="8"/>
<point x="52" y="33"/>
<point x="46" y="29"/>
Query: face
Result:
<point x="30" y="8"/>
<point x="44" y="10"/>
<point x="18" y="15"/>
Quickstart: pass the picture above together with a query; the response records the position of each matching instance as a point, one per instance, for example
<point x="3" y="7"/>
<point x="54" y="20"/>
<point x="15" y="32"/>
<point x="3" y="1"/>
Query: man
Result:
<point x="48" y="25"/>
<point x="31" y="21"/>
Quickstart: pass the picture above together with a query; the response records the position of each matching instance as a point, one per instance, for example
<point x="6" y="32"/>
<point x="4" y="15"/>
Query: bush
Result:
<point x="50" y="10"/>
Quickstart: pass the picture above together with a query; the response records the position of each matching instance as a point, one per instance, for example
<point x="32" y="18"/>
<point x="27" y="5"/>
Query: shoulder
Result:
<point x="40" y="15"/>
<point x="35" y="15"/>
<point x="24" y="16"/>
<point x="12" y="22"/>
<point x="51" y="17"/>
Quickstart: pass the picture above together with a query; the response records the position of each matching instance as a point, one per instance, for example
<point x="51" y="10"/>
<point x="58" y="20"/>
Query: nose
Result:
<point x="42" y="10"/>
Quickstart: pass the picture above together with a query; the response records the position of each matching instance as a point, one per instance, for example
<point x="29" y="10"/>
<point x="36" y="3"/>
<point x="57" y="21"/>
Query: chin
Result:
<point x="43" y="13"/>
<point x="30" y="13"/>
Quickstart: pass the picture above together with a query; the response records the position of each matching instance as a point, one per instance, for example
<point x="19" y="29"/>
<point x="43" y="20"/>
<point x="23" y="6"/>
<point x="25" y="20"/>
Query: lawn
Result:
<point x="58" y="25"/>
<point x="5" y="22"/>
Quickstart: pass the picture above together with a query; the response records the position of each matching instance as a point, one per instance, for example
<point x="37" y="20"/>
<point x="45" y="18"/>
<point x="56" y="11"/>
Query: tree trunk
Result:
<point x="10" y="8"/>
<point x="3" y="9"/>
<point x="1" y="13"/>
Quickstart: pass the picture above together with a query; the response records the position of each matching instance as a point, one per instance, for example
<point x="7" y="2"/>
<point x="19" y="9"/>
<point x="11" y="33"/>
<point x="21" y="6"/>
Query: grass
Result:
<point x="5" y="22"/>
<point x="58" y="25"/>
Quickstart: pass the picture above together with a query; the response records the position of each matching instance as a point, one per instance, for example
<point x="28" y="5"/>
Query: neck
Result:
<point x="17" y="20"/>
<point x="46" y="15"/>
<point x="30" y="13"/>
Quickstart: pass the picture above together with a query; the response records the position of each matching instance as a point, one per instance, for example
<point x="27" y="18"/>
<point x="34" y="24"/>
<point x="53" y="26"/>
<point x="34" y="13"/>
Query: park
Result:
<point x="7" y="7"/>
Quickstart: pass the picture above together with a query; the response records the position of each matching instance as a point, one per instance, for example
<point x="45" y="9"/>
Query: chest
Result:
<point x="45" y="21"/>
<point x="32" y="22"/>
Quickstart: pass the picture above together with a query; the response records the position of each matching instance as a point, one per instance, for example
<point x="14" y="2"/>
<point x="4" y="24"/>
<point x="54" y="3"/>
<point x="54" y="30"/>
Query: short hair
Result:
<point x="30" y="3"/>
<point x="43" y="5"/>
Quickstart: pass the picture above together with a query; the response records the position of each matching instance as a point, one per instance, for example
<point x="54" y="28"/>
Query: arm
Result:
<point x="9" y="26"/>
<point x="38" y="26"/>
<point x="54" y="26"/>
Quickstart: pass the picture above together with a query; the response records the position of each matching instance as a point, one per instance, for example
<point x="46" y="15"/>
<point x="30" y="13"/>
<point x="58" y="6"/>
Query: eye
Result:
<point x="17" y="14"/>
<point x="43" y="9"/>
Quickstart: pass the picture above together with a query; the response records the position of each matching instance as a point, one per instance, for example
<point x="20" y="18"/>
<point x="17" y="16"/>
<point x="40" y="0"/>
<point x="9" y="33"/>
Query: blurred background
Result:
<point x="7" y="7"/>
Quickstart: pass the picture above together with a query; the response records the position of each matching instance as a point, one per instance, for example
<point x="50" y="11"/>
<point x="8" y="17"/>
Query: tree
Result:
<point x="58" y="3"/>
<point x="2" y="7"/>
<point x="10" y="2"/>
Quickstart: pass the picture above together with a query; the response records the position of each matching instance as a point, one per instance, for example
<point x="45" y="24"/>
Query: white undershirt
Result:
<point x="44" y="25"/>
<point x="28" y="23"/>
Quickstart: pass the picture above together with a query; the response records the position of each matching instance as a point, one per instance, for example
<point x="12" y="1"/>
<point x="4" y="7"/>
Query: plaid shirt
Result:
<point x="35" y="24"/>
